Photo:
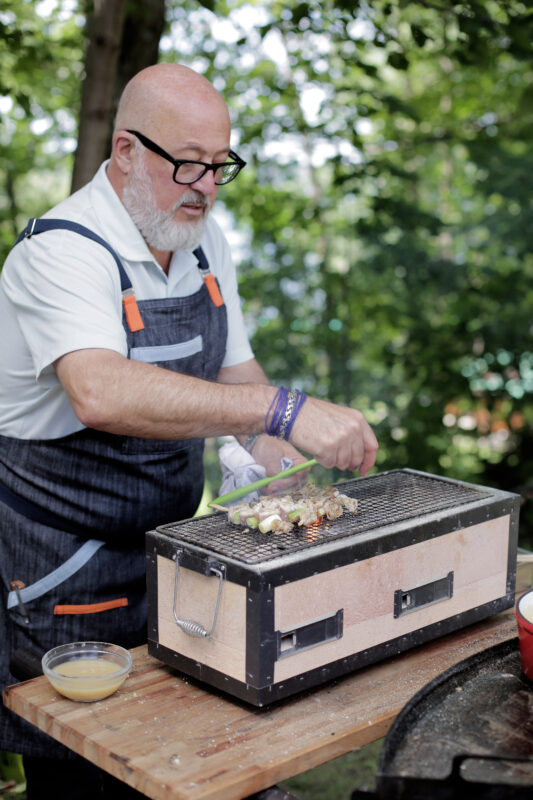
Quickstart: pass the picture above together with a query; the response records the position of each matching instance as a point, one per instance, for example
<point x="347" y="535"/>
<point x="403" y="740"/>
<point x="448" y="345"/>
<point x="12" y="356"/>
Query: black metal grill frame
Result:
<point x="384" y="499"/>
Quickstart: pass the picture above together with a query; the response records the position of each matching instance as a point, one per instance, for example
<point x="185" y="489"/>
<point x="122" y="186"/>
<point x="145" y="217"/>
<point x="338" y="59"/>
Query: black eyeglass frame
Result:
<point x="177" y="162"/>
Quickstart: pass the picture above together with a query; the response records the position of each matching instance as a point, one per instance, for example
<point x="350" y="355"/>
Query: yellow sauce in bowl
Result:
<point x="88" y="684"/>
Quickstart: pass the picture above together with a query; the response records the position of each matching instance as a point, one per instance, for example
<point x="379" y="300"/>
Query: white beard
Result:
<point x="159" y="228"/>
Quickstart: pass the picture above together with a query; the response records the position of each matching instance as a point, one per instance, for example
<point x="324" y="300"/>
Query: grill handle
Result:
<point x="189" y="626"/>
<point x="407" y="600"/>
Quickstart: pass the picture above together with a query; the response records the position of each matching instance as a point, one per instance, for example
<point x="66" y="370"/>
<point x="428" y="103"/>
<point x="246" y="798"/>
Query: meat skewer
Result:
<point x="308" y="506"/>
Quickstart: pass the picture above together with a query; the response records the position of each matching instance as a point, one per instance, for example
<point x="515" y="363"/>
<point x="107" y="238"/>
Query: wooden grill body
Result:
<point x="424" y="556"/>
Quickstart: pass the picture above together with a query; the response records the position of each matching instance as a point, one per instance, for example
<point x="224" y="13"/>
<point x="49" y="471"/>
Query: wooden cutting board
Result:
<point x="169" y="737"/>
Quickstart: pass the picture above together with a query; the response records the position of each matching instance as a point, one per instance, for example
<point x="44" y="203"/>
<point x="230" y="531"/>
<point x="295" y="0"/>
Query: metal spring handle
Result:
<point x="188" y="625"/>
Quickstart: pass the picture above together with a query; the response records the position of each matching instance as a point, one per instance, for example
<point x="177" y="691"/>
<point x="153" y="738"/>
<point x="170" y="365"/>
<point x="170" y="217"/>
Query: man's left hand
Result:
<point x="268" y="451"/>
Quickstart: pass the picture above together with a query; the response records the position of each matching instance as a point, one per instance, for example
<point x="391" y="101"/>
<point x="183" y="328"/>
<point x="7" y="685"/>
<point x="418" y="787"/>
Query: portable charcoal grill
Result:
<point x="262" y="616"/>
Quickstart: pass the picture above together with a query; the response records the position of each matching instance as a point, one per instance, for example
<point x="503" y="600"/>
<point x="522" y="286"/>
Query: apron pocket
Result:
<point x="102" y="600"/>
<point x="158" y="354"/>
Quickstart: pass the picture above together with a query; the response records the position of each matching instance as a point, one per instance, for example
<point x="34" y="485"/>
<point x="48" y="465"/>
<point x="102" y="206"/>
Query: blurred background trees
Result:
<point x="383" y="226"/>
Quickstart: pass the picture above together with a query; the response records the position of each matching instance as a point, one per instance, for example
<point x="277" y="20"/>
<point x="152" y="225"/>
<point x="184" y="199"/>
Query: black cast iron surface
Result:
<point x="480" y="707"/>
<point x="383" y="499"/>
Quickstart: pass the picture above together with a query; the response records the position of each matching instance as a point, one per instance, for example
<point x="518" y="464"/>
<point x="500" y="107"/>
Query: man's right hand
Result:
<point x="337" y="436"/>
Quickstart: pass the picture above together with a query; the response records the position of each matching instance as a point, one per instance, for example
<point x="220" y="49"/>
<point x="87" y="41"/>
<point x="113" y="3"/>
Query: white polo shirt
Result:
<point x="60" y="292"/>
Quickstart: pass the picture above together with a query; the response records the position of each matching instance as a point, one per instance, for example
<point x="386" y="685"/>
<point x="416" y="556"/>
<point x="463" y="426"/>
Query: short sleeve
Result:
<point x="65" y="289"/>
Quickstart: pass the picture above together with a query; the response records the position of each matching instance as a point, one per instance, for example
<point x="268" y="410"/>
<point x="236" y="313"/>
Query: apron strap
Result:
<point x="131" y="309"/>
<point x="36" y="226"/>
<point x="57" y="576"/>
<point x="209" y="279"/>
<point x="129" y="302"/>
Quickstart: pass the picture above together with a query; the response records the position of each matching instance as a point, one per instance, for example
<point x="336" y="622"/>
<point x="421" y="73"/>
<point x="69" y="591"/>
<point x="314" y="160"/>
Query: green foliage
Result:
<point x="41" y="60"/>
<point x="12" y="779"/>
<point x="337" y="779"/>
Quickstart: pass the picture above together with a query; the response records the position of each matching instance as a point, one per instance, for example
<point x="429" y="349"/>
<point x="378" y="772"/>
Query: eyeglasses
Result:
<point x="186" y="171"/>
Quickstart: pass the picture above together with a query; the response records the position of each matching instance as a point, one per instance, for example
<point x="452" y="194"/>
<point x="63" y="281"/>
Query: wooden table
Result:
<point x="169" y="738"/>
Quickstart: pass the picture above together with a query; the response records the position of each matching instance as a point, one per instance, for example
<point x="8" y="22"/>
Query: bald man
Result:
<point x="124" y="347"/>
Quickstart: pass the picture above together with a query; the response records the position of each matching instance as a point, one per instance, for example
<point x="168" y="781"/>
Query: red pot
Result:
<point x="524" y="618"/>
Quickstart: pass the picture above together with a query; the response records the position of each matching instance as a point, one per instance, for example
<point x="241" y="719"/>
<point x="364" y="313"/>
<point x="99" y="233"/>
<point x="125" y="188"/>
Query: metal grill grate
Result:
<point x="384" y="499"/>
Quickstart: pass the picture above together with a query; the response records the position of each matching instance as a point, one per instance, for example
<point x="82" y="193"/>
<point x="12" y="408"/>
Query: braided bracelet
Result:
<point x="287" y="414"/>
<point x="300" y="400"/>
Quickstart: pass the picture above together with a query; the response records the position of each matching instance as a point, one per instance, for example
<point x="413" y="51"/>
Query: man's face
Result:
<point x="161" y="228"/>
<point x="172" y="216"/>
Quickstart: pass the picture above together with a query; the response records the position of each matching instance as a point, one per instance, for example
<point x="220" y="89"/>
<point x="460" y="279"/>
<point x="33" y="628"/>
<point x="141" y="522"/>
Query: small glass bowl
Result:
<point x="87" y="671"/>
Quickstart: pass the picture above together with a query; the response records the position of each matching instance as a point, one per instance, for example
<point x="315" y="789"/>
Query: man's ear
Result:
<point x="123" y="151"/>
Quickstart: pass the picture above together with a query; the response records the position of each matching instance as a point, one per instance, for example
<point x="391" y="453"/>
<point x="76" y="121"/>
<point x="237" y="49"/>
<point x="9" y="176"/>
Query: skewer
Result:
<point x="217" y="507"/>
<point x="244" y="490"/>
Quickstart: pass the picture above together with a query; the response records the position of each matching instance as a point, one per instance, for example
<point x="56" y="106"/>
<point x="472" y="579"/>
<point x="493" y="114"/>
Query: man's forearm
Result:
<point x="247" y="372"/>
<point x="114" y="394"/>
<point x="111" y="393"/>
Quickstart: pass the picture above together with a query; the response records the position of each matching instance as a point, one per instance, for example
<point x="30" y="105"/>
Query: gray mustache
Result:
<point x="193" y="197"/>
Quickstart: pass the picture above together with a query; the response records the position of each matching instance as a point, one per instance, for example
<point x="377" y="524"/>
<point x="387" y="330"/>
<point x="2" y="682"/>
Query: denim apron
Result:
<point x="74" y="510"/>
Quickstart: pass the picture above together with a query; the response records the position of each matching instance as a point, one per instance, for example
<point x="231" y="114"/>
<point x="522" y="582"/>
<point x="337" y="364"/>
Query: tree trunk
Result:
<point x="105" y="28"/>
<point x="123" y="39"/>
<point x="143" y="28"/>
